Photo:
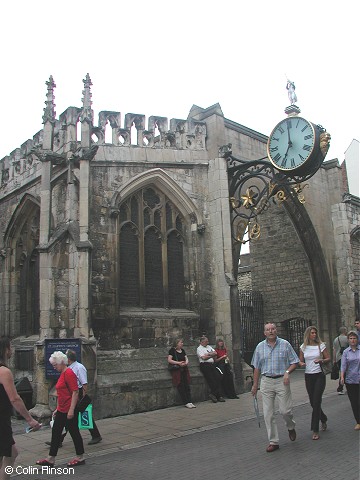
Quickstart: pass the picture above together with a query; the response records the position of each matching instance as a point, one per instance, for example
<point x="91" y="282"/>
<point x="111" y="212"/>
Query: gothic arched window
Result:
<point x="151" y="251"/>
<point x="27" y="266"/>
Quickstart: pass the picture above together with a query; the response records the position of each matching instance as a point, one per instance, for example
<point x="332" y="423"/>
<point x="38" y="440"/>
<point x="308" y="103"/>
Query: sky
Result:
<point x="161" y="57"/>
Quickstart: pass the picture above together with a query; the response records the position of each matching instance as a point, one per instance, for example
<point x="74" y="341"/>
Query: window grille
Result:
<point x="294" y="330"/>
<point x="24" y="358"/>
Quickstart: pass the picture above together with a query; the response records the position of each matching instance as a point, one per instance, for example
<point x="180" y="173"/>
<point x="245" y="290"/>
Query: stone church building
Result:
<point x="120" y="235"/>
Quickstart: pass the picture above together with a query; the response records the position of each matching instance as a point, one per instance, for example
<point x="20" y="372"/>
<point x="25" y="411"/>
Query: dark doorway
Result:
<point x="251" y="321"/>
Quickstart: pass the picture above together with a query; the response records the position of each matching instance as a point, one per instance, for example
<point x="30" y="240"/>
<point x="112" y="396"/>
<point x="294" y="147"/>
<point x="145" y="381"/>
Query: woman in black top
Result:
<point x="178" y="362"/>
<point x="9" y="398"/>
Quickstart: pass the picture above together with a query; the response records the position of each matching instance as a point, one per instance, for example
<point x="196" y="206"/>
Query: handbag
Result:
<point x="85" y="420"/>
<point x="325" y="367"/>
<point x="335" y="372"/>
<point x="83" y="403"/>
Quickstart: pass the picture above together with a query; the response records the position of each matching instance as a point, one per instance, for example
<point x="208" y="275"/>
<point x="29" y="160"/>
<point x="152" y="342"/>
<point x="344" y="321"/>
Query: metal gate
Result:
<point x="251" y="321"/>
<point x="294" y="330"/>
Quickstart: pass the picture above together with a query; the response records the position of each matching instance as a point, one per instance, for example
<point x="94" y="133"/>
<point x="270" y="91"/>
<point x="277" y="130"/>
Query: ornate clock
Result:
<point x="294" y="145"/>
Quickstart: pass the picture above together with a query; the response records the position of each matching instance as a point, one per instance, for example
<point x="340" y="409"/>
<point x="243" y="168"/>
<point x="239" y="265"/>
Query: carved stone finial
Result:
<point x="87" y="115"/>
<point x="49" y="110"/>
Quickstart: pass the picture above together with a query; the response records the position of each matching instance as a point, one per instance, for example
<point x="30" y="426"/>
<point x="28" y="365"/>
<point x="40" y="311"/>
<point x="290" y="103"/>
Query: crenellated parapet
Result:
<point x="20" y="164"/>
<point x="134" y="132"/>
<point x="182" y="134"/>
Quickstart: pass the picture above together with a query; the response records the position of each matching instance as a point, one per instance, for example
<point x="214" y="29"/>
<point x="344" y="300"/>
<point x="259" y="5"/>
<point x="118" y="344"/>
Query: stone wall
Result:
<point x="137" y="380"/>
<point x="280" y="269"/>
<point x="346" y="221"/>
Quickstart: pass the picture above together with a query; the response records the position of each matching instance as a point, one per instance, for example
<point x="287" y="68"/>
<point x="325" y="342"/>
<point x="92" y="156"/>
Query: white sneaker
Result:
<point x="189" y="405"/>
<point x="192" y="405"/>
<point x="341" y="393"/>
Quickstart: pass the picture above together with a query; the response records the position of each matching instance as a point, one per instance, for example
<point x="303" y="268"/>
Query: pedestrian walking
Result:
<point x="222" y="361"/>
<point x="313" y="354"/>
<point x="339" y="345"/>
<point x="274" y="359"/>
<point x="82" y="381"/>
<point x="9" y="399"/>
<point x="350" y="374"/>
<point x="206" y="355"/>
<point x="81" y="375"/>
<point x="67" y="397"/>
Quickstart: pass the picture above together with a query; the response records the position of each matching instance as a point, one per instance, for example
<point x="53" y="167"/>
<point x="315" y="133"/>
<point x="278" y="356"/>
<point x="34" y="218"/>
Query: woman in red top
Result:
<point x="68" y="394"/>
<point x="223" y="363"/>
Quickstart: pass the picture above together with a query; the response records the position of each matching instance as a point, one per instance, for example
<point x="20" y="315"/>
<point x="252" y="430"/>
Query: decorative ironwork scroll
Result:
<point x="252" y="184"/>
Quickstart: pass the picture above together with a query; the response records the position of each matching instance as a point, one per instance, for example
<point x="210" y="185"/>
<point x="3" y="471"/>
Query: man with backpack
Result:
<point x="339" y="344"/>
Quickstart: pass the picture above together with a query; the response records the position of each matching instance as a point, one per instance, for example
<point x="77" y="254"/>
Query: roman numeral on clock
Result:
<point x="307" y="147"/>
<point x="277" y="158"/>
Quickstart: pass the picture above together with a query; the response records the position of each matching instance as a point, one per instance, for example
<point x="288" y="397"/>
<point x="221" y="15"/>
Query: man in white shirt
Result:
<point x="206" y="355"/>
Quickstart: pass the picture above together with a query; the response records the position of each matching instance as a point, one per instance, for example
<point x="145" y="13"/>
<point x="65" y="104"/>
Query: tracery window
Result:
<point x="152" y="234"/>
<point x="27" y="268"/>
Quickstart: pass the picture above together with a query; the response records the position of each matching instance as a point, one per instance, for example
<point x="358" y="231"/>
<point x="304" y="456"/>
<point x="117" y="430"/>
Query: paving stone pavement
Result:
<point x="211" y="441"/>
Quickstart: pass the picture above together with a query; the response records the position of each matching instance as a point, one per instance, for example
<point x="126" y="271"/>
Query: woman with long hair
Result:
<point x="223" y="363"/>
<point x="64" y="416"/>
<point x="9" y="398"/>
<point x="350" y="374"/>
<point x="179" y="361"/>
<point x="313" y="354"/>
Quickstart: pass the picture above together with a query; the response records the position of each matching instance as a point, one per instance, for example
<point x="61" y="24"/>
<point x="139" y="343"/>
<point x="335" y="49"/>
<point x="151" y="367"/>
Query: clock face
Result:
<point x="291" y="143"/>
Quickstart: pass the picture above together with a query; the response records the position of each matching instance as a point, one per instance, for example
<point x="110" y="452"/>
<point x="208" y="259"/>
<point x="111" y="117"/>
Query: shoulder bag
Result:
<point x="335" y="372"/>
<point x="83" y="403"/>
<point x="325" y="367"/>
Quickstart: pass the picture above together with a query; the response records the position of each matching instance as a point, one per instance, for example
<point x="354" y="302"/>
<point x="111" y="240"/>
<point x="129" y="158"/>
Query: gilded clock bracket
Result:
<point x="253" y="187"/>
